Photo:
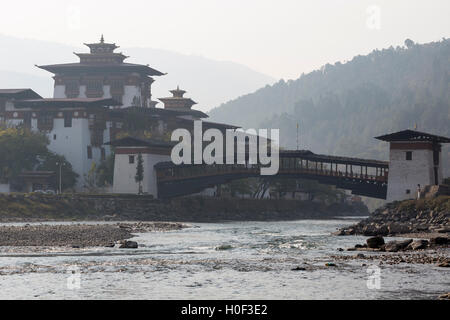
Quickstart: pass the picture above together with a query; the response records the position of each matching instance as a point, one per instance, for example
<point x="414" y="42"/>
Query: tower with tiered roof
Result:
<point x="102" y="73"/>
<point x="178" y="101"/>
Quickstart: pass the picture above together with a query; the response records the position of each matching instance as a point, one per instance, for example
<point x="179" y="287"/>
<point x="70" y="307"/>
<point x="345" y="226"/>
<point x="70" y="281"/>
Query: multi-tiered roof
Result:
<point x="101" y="58"/>
<point x="178" y="101"/>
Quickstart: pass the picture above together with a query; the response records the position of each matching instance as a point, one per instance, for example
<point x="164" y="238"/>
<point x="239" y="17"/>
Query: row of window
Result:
<point x="95" y="85"/>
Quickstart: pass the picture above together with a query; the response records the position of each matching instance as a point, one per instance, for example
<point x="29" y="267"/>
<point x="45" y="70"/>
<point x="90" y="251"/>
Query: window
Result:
<point x="409" y="155"/>
<point x="45" y="122"/>
<point x="67" y="120"/>
<point x="94" y="88"/>
<point x="131" y="159"/>
<point x="54" y="137"/>
<point x="89" y="152"/>
<point x="97" y="137"/>
<point x="72" y="88"/>
<point x="117" y="86"/>
<point x="103" y="154"/>
<point x="408" y="191"/>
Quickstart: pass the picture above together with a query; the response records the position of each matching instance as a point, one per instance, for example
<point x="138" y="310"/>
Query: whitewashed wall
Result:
<point x="59" y="92"/>
<point x="73" y="143"/>
<point x="130" y="93"/>
<point x="406" y="175"/>
<point x="124" y="174"/>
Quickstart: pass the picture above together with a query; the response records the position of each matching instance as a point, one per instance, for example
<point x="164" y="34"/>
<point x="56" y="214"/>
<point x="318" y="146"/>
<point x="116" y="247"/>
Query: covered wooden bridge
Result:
<point x="363" y="177"/>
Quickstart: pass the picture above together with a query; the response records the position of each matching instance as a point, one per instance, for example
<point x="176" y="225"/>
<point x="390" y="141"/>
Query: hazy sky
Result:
<point x="282" y="38"/>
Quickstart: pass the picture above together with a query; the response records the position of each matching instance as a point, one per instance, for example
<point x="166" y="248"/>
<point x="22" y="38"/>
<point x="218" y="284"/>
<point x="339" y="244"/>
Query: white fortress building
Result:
<point x="79" y="119"/>
<point x="92" y="102"/>
<point x="415" y="162"/>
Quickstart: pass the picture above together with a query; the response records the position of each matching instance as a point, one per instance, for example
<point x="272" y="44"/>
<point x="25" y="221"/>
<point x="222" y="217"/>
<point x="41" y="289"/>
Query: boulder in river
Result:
<point x="395" y="246"/>
<point x="439" y="241"/>
<point x="224" y="247"/>
<point x="375" y="242"/>
<point x="299" y="269"/>
<point x="129" y="245"/>
<point x="418" y="245"/>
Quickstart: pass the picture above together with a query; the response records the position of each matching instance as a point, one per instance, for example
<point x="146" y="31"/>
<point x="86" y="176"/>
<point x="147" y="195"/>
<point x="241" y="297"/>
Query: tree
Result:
<point x="409" y="43"/>
<point x="140" y="172"/>
<point x="283" y="186"/>
<point x="241" y="187"/>
<point x="20" y="150"/>
<point x="91" y="178"/>
<point x="51" y="162"/>
<point x="26" y="150"/>
<point x="105" y="172"/>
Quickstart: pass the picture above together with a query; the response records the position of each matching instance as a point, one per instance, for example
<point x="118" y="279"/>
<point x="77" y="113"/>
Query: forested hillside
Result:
<point x="341" y="107"/>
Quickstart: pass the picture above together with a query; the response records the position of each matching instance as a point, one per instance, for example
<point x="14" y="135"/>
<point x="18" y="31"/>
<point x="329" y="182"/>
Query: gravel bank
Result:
<point x="77" y="235"/>
<point x="439" y="257"/>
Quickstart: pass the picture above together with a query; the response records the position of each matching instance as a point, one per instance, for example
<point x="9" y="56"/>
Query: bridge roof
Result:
<point x="308" y="155"/>
<point x="411" y="135"/>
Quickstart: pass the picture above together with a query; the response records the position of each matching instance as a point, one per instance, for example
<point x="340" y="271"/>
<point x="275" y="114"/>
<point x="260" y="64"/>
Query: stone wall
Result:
<point x="191" y="209"/>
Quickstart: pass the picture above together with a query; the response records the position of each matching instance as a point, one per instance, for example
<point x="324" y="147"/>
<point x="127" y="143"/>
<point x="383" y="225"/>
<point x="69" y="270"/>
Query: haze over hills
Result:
<point x="207" y="81"/>
<point x="342" y="107"/>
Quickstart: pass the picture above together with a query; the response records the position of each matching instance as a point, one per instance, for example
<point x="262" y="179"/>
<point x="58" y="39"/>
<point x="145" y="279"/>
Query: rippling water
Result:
<point x="251" y="260"/>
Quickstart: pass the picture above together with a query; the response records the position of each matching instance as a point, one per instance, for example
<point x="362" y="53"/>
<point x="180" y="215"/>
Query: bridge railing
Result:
<point x="286" y="168"/>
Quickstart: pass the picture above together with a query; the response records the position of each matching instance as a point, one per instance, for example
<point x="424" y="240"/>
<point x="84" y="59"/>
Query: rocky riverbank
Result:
<point x="78" y="236"/>
<point x="422" y="218"/>
<point x="422" y="224"/>
<point x="82" y="207"/>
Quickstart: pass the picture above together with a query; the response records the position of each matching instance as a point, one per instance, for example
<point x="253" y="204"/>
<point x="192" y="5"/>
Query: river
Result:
<point x="251" y="260"/>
